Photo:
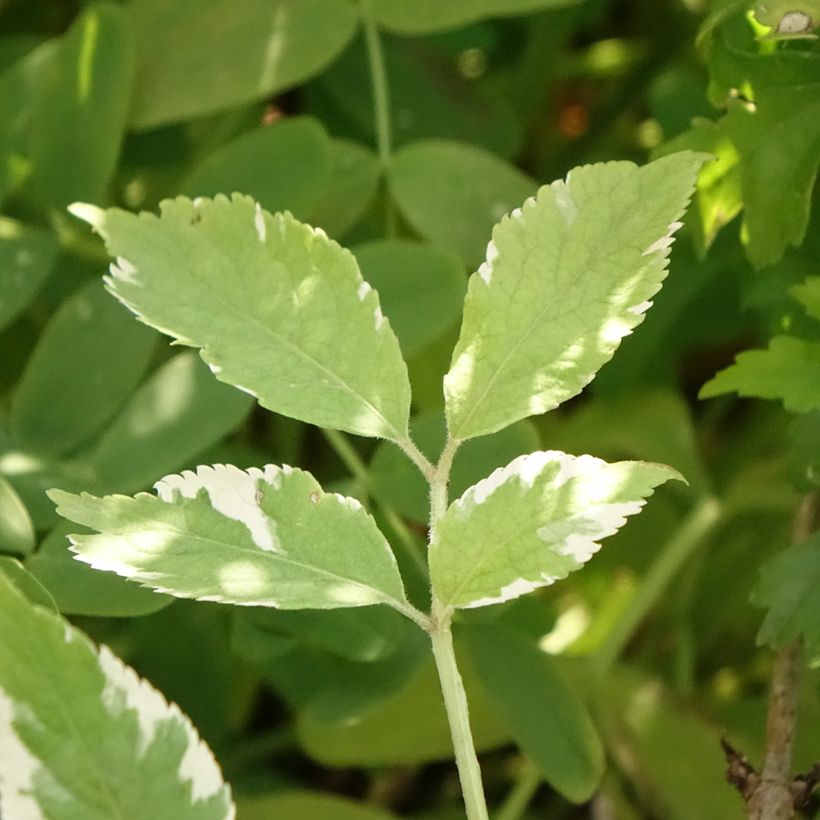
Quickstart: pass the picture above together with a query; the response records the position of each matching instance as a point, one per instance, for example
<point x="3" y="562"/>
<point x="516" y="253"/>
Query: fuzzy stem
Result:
<point x="455" y="703"/>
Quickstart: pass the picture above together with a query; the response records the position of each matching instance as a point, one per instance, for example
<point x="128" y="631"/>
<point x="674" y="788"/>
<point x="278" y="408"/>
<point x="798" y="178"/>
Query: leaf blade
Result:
<point x="566" y="278"/>
<point x="277" y="308"/>
<point x="255" y="538"/>
<point x="532" y="523"/>
<point x="86" y="737"/>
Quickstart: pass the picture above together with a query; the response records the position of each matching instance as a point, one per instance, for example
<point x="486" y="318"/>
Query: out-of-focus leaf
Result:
<point x="453" y="193"/>
<point x="678" y="779"/>
<point x="26" y="583"/>
<point x="179" y="412"/>
<point x="789" y="587"/>
<point x="383" y="735"/>
<point x="253" y="49"/>
<point x="284" y="166"/>
<point x="788" y="370"/>
<point x="429" y="98"/>
<point x="546" y="718"/>
<point x="87" y="362"/>
<point x="26" y="257"/>
<point x="804" y="451"/>
<point x="304" y="805"/>
<point x="567" y="276"/>
<point x="532" y="523"/>
<point x="425" y="16"/>
<point x="265" y="537"/>
<point x="279" y="310"/>
<point x="364" y="635"/>
<point x="80" y="590"/>
<point x="89" y="738"/>
<point x="808" y="293"/>
<point x="421" y="288"/>
<point x="18" y="84"/>
<point x="81" y="106"/>
<point x="16" y="530"/>
<point x="354" y="176"/>
<point x="400" y="483"/>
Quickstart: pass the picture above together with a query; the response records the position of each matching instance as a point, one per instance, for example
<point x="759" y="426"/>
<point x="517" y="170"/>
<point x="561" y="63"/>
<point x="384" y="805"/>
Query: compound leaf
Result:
<point x="788" y="370"/>
<point x="566" y="278"/>
<point x="267" y="537"/>
<point x="83" y="736"/>
<point x="532" y="523"/>
<point x="279" y="310"/>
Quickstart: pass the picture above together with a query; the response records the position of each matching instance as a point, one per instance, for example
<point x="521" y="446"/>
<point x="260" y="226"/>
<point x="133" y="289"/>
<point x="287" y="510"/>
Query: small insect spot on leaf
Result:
<point x="314" y="497"/>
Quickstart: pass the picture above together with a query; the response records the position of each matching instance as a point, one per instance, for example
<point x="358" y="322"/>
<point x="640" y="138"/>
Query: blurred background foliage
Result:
<point x="644" y="659"/>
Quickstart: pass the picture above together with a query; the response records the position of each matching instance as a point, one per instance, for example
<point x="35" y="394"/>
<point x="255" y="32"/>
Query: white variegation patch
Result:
<point x="17" y="769"/>
<point x="259" y="223"/>
<point x="124" y="689"/>
<point x="564" y="202"/>
<point x="485" y="271"/>
<point x="665" y="242"/>
<point x="232" y="492"/>
<point x="515" y="589"/>
<point x="794" y="22"/>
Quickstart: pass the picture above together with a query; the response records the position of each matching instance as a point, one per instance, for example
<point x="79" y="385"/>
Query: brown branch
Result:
<point x="774" y="794"/>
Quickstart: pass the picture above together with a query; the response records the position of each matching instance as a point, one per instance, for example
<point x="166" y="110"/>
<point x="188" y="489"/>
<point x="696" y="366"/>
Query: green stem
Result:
<point x="381" y="103"/>
<point x="455" y="702"/>
<point x="688" y="537"/>
<point x="440" y="481"/>
<point x="526" y="785"/>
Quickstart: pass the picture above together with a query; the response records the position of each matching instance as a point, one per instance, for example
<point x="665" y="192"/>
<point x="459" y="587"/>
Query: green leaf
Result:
<point x="87" y="362"/>
<point x="808" y="293"/>
<point x="78" y="589"/>
<point x="179" y="412"/>
<point x="81" y="106"/>
<point x="402" y="485"/>
<point x="780" y="151"/>
<point x="788" y="370"/>
<point x="421" y="288"/>
<point x="532" y="523"/>
<point x="294" y="805"/>
<point x="26" y="583"/>
<point x="789" y="587"/>
<point x="804" y="451"/>
<point x="254" y="49"/>
<point x="425" y="16"/>
<point x="279" y="310"/>
<point x="566" y="278"/>
<point x="83" y="736"/>
<point x="16" y="530"/>
<point x="27" y="256"/>
<point x="718" y="198"/>
<point x="380" y="734"/>
<point x="267" y="537"/>
<point x="543" y="714"/>
<point x="354" y="177"/>
<point x="282" y="166"/>
<point x="453" y="193"/>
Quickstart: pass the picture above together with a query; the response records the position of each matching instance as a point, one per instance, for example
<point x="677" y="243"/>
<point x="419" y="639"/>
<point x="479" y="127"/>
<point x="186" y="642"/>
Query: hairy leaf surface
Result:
<point x="532" y="523"/>
<point x="278" y="309"/>
<point x="267" y="537"/>
<point x="566" y="278"/>
<point x="83" y="736"/>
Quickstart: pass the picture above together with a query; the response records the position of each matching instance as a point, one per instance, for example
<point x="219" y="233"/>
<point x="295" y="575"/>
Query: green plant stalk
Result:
<point x="381" y="103"/>
<point x="700" y="522"/>
<point x="526" y="785"/>
<point x="452" y="687"/>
